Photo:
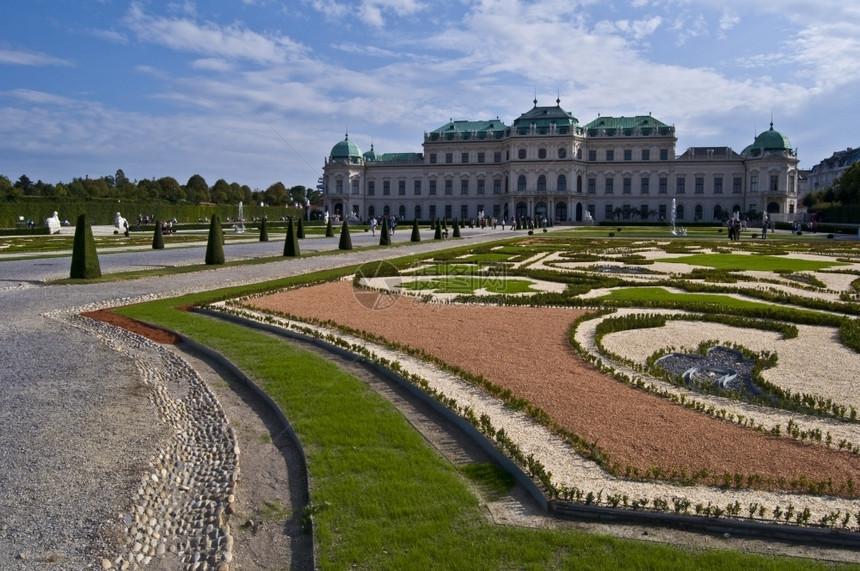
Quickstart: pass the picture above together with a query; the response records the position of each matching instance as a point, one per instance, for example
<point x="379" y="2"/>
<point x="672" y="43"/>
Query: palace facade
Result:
<point x="547" y="164"/>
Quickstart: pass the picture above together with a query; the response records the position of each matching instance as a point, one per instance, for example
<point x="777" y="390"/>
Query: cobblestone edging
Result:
<point x="182" y="506"/>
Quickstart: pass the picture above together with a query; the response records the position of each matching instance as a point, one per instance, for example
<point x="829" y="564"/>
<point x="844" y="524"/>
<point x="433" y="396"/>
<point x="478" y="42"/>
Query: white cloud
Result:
<point x="14" y="57"/>
<point x="234" y="41"/>
<point x="370" y="12"/>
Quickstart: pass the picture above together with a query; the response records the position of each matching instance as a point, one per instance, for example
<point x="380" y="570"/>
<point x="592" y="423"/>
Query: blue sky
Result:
<point x="258" y="91"/>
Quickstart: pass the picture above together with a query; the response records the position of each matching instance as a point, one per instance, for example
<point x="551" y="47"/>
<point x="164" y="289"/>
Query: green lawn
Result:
<point x="468" y="284"/>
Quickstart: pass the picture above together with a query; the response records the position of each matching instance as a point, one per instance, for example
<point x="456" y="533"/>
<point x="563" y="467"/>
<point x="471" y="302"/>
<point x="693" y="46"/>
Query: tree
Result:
<point x="196" y="189"/>
<point x="416" y="234"/>
<point x="120" y="178"/>
<point x="170" y="189"/>
<point x="848" y="186"/>
<point x="24" y="183"/>
<point x="85" y="259"/>
<point x="437" y="235"/>
<point x="264" y="232"/>
<point x="329" y="231"/>
<point x="345" y="239"/>
<point x="215" y="245"/>
<point x="384" y="234"/>
<point x="158" y="237"/>
<point x="221" y="192"/>
<point x="455" y="233"/>
<point x="291" y="246"/>
<point x="276" y="194"/>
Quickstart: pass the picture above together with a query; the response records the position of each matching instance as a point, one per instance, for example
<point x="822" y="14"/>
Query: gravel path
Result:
<point x="78" y="426"/>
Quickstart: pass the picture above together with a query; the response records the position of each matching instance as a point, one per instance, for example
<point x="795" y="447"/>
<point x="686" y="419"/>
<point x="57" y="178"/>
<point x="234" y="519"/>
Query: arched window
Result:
<point x="521" y="183"/>
<point x="401" y="212"/>
<point x="417" y="212"/>
<point x="522" y="153"/>
<point x="561" y="185"/>
<point x="679" y="212"/>
<point x="371" y="211"/>
<point x="699" y="212"/>
<point x="718" y="212"/>
<point x="386" y="211"/>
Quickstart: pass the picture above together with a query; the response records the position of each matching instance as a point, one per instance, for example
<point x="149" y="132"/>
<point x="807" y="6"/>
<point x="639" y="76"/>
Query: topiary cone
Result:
<point x="384" y="235"/>
<point x="85" y="259"/>
<point x="264" y="232"/>
<point x="345" y="239"/>
<point x="158" y="237"/>
<point x="329" y="231"/>
<point x="456" y="232"/>
<point x="291" y="246"/>
<point x="300" y="233"/>
<point x="416" y="234"/>
<point x="438" y="234"/>
<point x="215" y="244"/>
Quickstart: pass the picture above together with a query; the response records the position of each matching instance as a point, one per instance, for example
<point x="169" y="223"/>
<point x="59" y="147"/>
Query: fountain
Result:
<point x="239" y="227"/>
<point x="672" y="216"/>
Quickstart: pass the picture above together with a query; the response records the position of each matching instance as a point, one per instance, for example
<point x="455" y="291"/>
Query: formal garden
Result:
<point x="682" y="376"/>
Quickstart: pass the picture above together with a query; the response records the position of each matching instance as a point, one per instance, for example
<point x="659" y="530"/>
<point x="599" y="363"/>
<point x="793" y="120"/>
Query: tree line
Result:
<point x="167" y="189"/>
<point x="844" y="191"/>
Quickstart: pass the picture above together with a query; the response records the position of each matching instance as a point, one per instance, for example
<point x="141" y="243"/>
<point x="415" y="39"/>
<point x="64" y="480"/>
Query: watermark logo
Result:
<point x="376" y="285"/>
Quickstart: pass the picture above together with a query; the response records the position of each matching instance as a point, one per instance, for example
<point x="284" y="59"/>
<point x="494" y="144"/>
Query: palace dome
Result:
<point x="346" y="151"/>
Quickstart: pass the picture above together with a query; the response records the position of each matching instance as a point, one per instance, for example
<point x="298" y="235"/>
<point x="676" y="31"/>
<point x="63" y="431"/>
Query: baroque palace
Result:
<point x="546" y="164"/>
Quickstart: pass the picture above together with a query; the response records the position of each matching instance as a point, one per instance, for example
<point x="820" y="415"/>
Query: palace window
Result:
<point x="464" y="186"/>
<point x="449" y="186"/>
<point x="386" y="187"/>
<point x="521" y="183"/>
<point x="416" y="187"/>
<point x="497" y="186"/>
<point x="609" y="186"/>
<point x="700" y="185"/>
<point x="432" y="189"/>
<point x="628" y="155"/>
<point x="371" y="188"/>
<point x="680" y="185"/>
<point x="718" y="185"/>
<point x="626" y="185"/>
<point x="480" y="186"/>
<point x="646" y="155"/>
<point x="663" y="185"/>
<point x="645" y="185"/>
<point x="561" y="185"/>
<point x="610" y="155"/>
<point x="401" y="188"/>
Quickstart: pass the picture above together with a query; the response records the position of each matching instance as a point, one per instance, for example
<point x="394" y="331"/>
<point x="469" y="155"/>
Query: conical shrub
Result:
<point x="158" y="237"/>
<point x="329" y="231"/>
<point x="416" y="234"/>
<point x="345" y="239"/>
<point x="384" y="235"/>
<point x="291" y="246"/>
<point x="215" y="245"/>
<point x="264" y="231"/>
<point x="456" y="232"/>
<point x="85" y="259"/>
<point x="438" y="234"/>
<point x="300" y="233"/>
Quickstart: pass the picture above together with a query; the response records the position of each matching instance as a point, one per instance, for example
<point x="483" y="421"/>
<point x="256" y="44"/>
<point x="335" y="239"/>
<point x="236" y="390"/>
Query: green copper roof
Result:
<point x="400" y="157"/>
<point x="471" y="127"/>
<point x="769" y="141"/>
<point x="371" y="155"/>
<point x="544" y="116"/>
<point x="626" y="125"/>
<point x="346" y="150"/>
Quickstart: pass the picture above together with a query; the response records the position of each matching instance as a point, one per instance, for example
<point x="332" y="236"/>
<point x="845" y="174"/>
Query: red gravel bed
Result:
<point x="527" y="351"/>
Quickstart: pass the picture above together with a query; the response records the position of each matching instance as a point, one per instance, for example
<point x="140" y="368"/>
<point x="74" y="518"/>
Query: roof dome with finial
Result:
<point x="345" y="151"/>
<point x="770" y="141"/>
<point x="371" y="155"/>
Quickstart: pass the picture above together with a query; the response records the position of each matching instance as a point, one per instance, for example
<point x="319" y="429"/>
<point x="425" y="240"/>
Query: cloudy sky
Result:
<point x="258" y="91"/>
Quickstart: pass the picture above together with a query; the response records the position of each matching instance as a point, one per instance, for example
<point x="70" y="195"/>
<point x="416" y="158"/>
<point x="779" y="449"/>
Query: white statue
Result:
<point x="120" y="223"/>
<point x="53" y="223"/>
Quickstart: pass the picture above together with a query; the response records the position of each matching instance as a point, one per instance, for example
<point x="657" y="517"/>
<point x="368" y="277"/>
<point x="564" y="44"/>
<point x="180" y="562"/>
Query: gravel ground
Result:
<point x="78" y="428"/>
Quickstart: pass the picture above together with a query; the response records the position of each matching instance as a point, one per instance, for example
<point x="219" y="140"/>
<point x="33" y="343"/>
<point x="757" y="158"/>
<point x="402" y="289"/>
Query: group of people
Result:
<point x="392" y="224"/>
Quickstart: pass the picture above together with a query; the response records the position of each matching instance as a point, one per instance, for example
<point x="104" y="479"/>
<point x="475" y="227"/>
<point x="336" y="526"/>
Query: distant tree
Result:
<point x="276" y="195"/>
<point x="170" y="189"/>
<point x="120" y="178"/>
<point x="8" y="190"/>
<point x="85" y="259"/>
<point x="298" y="194"/>
<point x="221" y="192"/>
<point x="24" y="183"/>
<point x="196" y="189"/>
<point x="848" y="186"/>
